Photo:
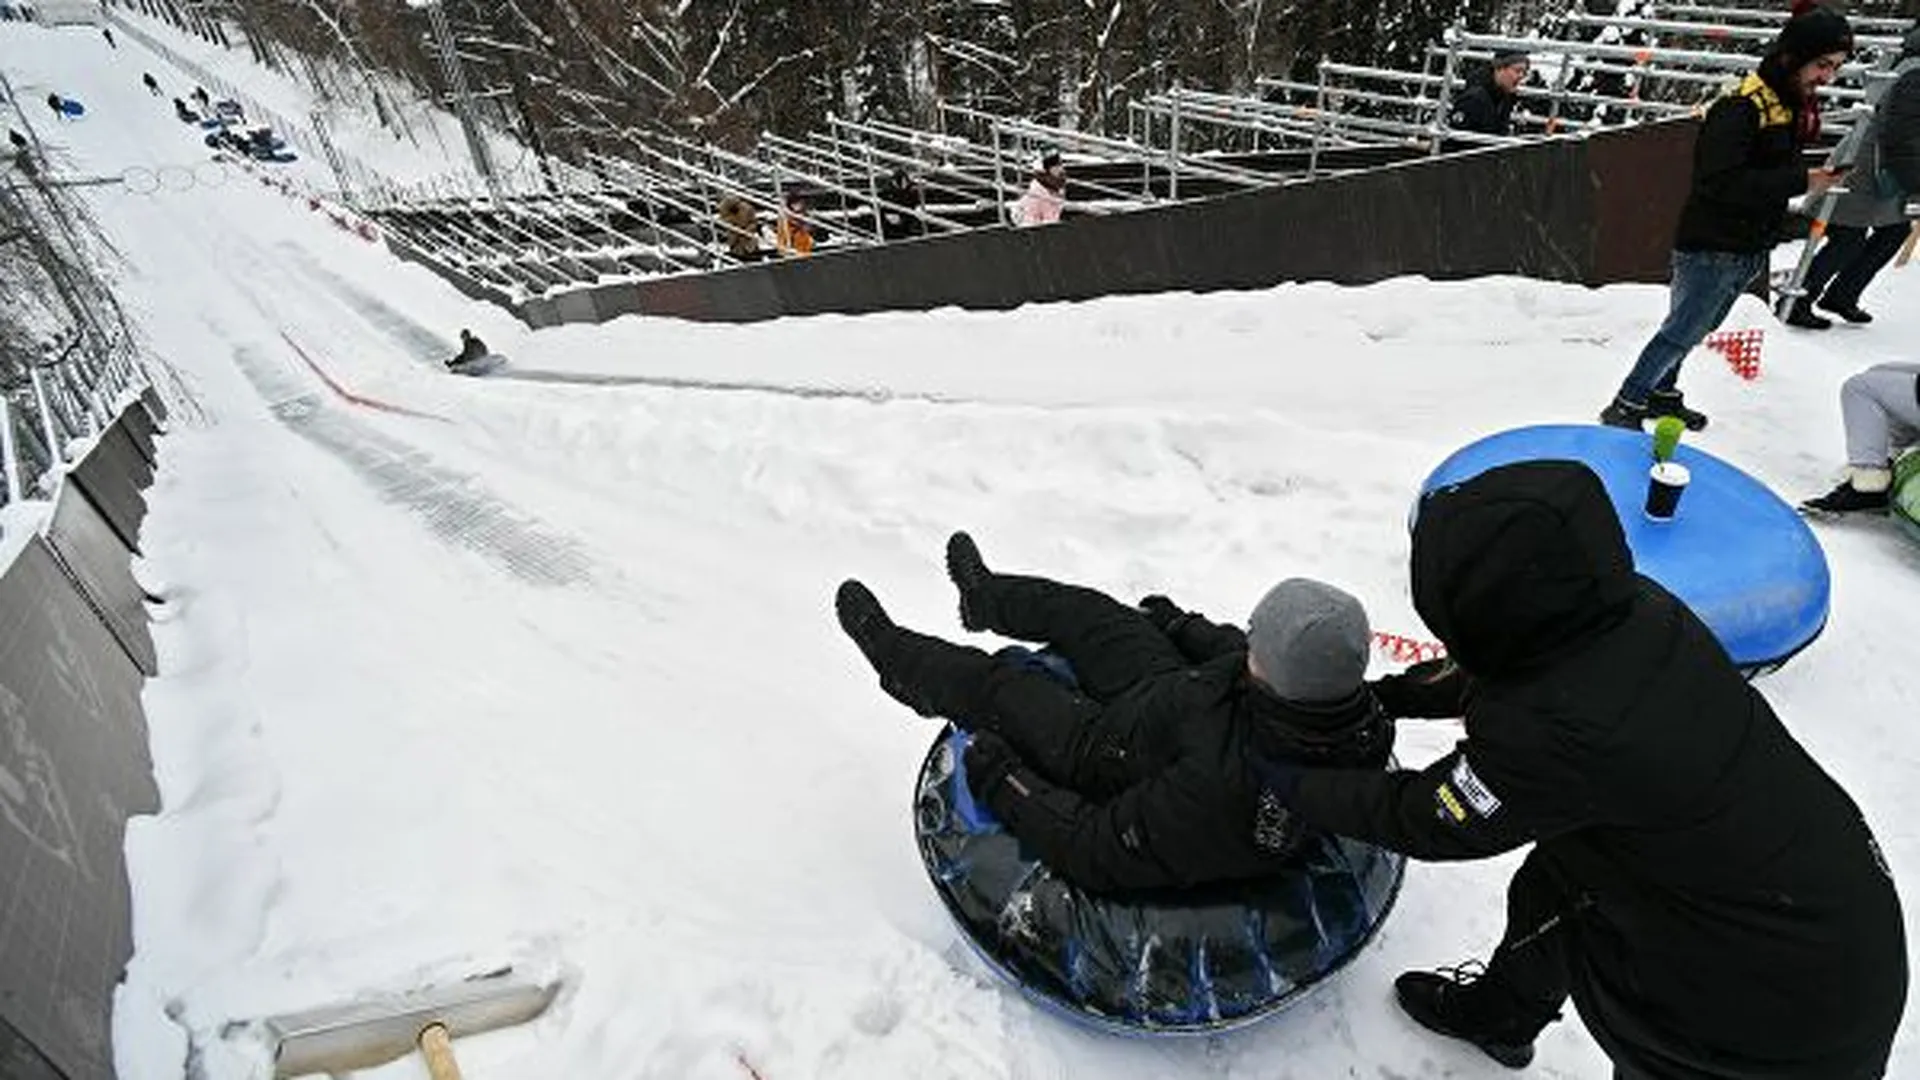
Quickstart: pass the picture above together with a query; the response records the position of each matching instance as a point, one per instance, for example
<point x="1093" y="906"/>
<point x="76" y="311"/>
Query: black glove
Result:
<point x="1431" y="688"/>
<point x="1161" y="612"/>
<point x="989" y="760"/>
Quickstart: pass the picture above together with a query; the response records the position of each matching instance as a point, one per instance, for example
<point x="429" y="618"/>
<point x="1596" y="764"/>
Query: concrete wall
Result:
<point x="74" y="652"/>
<point x="1594" y="210"/>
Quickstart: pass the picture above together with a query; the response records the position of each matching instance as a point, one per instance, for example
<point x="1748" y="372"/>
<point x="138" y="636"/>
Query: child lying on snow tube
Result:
<point x="1141" y="783"/>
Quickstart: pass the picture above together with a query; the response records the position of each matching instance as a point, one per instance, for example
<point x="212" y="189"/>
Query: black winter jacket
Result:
<point x="1179" y="801"/>
<point x="1746" y="165"/>
<point x="1731" y="913"/>
<point x="1485" y="108"/>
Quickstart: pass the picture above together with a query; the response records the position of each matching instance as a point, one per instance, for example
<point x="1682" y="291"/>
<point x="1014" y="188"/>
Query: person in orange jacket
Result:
<point x="792" y="237"/>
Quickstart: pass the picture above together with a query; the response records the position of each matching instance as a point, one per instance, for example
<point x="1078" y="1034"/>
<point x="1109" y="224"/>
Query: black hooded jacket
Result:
<point x="1172" y="795"/>
<point x="1731" y="913"/>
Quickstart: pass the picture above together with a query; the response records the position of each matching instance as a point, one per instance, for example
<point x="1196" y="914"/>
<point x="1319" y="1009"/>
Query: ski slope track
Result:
<point x="555" y="679"/>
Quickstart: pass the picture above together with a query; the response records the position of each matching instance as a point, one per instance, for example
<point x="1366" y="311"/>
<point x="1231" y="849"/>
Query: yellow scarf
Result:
<point x="1773" y="111"/>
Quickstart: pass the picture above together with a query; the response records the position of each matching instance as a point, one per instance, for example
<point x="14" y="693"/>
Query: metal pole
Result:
<point x="1173" y="150"/>
<point x="462" y="98"/>
<point x="9" y="452"/>
<point x="1444" y="105"/>
<point x="333" y="158"/>
<point x="1000" y="179"/>
<point x="1320" y="122"/>
<point x="56" y="449"/>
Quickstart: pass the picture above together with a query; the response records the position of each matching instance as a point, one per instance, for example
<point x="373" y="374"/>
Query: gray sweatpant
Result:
<point x="1881" y="410"/>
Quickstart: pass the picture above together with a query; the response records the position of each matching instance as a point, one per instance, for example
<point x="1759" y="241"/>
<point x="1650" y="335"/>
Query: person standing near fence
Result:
<point x="1869" y="223"/>
<point x="1746" y="167"/>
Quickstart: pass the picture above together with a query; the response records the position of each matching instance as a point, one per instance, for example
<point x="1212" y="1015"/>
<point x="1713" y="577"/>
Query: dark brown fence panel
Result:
<point x="1596" y="210"/>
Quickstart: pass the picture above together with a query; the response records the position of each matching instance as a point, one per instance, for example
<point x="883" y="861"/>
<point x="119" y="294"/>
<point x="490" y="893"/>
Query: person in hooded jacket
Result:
<point x="1868" y="224"/>
<point x="1746" y="166"/>
<point x="1711" y="900"/>
<point x="1144" y="776"/>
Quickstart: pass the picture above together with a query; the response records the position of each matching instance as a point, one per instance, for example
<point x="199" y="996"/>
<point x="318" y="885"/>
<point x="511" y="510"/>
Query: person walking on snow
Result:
<point x="1880" y="408"/>
<point x="1709" y="898"/>
<point x="152" y="84"/>
<point x="1869" y="223"/>
<point x="1146" y="774"/>
<point x="1746" y="166"/>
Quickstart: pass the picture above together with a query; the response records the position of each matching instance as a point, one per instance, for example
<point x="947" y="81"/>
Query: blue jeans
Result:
<point x="1705" y="285"/>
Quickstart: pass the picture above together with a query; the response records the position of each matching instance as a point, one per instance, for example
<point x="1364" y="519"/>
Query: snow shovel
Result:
<point x="363" y="1034"/>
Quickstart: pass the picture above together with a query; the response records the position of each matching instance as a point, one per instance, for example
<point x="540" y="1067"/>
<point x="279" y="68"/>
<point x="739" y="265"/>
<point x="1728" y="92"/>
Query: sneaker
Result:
<point x="1853" y="313"/>
<point x="1622" y="413"/>
<point x="970" y="575"/>
<point x="1673" y="403"/>
<point x="1847" y="499"/>
<point x="1800" y="314"/>
<point x="864" y="620"/>
<point x="1442" y="1002"/>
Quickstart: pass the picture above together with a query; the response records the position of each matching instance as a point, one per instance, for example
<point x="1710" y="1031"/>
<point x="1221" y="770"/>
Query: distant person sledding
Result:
<point x="474" y="358"/>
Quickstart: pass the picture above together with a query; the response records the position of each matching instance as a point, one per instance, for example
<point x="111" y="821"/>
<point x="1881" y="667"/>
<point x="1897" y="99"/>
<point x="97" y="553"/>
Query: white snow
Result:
<point x="550" y="674"/>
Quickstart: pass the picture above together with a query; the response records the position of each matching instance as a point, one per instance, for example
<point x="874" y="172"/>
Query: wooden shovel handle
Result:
<point x="436" y="1045"/>
<point x="1906" y="249"/>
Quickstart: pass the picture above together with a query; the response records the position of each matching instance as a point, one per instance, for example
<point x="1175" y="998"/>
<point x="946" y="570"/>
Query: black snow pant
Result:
<point x="1848" y="261"/>
<point x="1530" y="970"/>
<point x="1062" y="732"/>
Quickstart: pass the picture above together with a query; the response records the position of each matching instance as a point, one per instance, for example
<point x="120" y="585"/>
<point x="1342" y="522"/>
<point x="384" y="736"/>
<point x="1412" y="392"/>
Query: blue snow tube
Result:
<point x="1736" y="553"/>
<point x="1192" y="962"/>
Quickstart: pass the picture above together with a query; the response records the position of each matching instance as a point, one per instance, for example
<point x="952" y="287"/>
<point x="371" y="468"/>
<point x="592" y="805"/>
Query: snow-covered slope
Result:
<point x="547" y="671"/>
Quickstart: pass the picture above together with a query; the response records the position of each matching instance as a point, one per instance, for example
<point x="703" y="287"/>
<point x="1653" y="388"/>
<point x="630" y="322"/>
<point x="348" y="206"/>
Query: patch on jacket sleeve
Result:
<point x="1478" y="796"/>
<point x="1449" y="805"/>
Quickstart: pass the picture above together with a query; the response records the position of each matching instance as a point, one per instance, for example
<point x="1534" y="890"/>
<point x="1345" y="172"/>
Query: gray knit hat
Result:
<point x="1310" y="641"/>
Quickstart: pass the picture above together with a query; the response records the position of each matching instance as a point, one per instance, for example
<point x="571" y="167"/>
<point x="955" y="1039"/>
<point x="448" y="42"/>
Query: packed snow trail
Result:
<point x="387" y="756"/>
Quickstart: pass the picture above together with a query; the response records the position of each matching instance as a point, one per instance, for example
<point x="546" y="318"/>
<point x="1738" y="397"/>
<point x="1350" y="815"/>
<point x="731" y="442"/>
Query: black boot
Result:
<point x="971" y="576"/>
<point x="1622" y="413"/>
<point x="1671" y="403"/>
<point x="930" y="676"/>
<point x="866" y="622"/>
<point x="1852" y="312"/>
<point x="1459" y="1003"/>
<point x="1800" y="314"/>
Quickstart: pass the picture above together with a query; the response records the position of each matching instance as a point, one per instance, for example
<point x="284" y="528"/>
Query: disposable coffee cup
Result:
<point x="1666" y="482"/>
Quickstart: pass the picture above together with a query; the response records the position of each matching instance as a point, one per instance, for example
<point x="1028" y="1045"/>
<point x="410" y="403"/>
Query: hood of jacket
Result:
<point x="1519" y="563"/>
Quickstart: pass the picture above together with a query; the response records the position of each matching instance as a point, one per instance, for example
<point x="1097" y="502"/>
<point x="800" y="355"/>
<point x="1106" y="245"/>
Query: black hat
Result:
<point x="1050" y="159"/>
<point x="1509" y="57"/>
<point x="1811" y="35"/>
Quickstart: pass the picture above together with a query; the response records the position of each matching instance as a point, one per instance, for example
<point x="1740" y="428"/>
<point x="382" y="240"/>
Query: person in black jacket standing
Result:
<point x="1486" y="107"/>
<point x="1147" y="774"/>
<point x="1711" y="899"/>
<point x="1746" y="166"/>
<point x="1869" y="223"/>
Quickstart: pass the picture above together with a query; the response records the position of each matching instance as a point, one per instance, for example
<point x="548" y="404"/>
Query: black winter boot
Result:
<point x="930" y="676"/>
<point x="1671" y="403"/>
<point x="1800" y="314"/>
<point x="1622" y="413"/>
<point x="865" y="621"/>
<point x="1853" y="312"/>
<point x="1459" y="1003"/>
<point x="971" y="576"/>
<point x="1847" y="499"/>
